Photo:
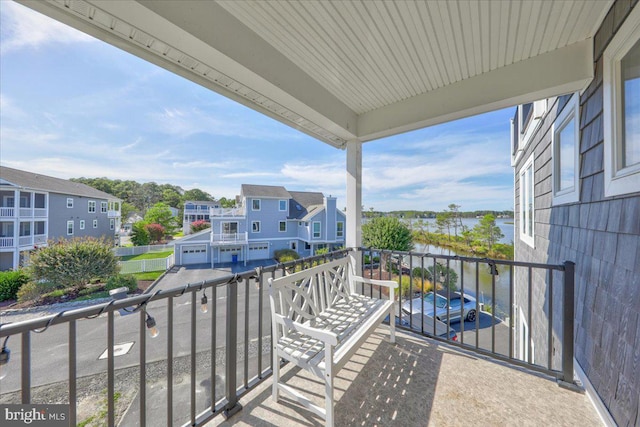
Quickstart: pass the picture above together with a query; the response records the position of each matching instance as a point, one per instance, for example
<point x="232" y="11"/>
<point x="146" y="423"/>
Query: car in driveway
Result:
<point x="454" y="303"/>
<point x="418" y="320"/>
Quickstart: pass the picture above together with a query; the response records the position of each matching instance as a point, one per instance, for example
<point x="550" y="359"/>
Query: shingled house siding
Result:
<point x="602" y="236"/>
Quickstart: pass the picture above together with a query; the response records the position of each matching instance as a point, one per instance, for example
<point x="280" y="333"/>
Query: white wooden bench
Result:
<point x="319" y="320"/>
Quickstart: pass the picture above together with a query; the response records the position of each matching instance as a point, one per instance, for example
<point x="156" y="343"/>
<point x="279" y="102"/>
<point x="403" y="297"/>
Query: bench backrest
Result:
<point x="301" y="296"/>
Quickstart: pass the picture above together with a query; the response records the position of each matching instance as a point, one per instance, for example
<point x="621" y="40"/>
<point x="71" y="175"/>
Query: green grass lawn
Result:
<point x="149" y="275"/>
<point x="148" y="255"/>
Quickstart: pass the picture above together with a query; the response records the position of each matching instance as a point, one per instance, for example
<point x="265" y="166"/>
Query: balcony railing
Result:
<point x="113" y="214"/>
<point x="229" y="238"/>
<point x="7" y="212"/>
<point x="227" y="212"/>
<point x="39" y="239"/>
<point x="228" y="347"/>
<point x="25" y="240"/>
<point x="6" y="242"/>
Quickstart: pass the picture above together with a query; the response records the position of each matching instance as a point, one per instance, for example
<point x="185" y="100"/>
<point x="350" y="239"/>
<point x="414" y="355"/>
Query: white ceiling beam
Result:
<point x="564" y="70"/>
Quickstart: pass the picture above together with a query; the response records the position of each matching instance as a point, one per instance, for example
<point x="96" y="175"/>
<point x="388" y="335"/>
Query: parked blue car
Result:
<point x="454" y="303"/>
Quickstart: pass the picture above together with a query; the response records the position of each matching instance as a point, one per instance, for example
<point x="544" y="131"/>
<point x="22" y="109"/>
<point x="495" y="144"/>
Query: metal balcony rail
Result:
<point x="236" y="289"/>
<point x="242" y="321"/>
<point x="539" y="302"/>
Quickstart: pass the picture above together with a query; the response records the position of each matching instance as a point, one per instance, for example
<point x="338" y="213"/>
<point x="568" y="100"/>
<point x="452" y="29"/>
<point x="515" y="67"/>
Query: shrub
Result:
<point x="200" y="225"/>
<point x="322" y="251"/>
<point x="127" y="280"/>
<point x="139" y="234"/>
<point x="155" y="231"/>
<point x="31" y="291"/>
<point x="285" y="255"/>
<point x="10" y="283"/>
<point x="73" y="263"/>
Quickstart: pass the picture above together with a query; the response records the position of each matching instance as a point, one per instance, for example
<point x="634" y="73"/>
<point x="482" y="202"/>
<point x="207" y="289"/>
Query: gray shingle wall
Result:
<point x="602" y="236"/>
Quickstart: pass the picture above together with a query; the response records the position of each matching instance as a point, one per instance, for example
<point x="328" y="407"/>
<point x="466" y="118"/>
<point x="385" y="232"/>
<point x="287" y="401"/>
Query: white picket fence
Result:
<point x="138" y="250"/>
<point x="143" y="265"/>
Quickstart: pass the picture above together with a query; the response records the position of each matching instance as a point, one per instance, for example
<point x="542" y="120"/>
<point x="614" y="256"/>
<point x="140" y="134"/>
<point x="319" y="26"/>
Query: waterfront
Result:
<point x="505" y="224"/>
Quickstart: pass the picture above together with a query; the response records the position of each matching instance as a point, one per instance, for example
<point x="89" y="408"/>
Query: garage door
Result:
<point x="258" y="251"/>
<point x="226" y="254"/>
<point x="195" y="254"/>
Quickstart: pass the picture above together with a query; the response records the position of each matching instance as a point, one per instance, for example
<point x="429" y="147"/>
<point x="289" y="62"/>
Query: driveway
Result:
<point x="180" y="275"/>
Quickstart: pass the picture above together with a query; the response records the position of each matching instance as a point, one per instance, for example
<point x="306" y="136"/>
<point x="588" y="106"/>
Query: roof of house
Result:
<point x="34" y="181"/>
<point x="273" y="191"/>
<point x="304" y="203"/>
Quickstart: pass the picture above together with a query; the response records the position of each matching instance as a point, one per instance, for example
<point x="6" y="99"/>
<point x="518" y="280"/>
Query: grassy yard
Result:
<point x="149" y="275"/>
<point x="148" y="255"/>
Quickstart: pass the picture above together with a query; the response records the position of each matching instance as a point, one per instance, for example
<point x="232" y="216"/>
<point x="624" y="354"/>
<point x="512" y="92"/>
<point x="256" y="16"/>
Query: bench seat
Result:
<point x="319" y="321"/>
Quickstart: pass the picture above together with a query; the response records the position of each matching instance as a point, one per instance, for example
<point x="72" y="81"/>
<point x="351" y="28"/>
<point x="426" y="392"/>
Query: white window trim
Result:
<point x="82" y="224"/>
<point x="285" y="226"/>
<point x="112" y="224"/>
<point x="286" y="205"/>
<point x="338" y="232"/>
<point x="313" y="233"/>
<point x="259" y="204"/>
<point x="570" y="112"/>
<point x="259" y="227"/>
<point x="539" y="108"/>
<point x="617" y="181"/>
<point x="104" y="207"/>
<point x="69" y="202"/>
<point x="70" y="223"/>
<point x="95" y="223"/>
<point x="91" y="203"/>
<point x="529" y="240"/>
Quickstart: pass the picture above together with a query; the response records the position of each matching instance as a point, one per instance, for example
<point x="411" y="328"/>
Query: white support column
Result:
<point x="353" y="238"/>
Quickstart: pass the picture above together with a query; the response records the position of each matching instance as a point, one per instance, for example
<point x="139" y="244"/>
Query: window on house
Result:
<point x="282" y="205"/>
<point x="69" y="202"/>
<point x="340" y="229"/>
<point x="82" y="224"/>
<point x="621" y="86"/>
<point x="527" y="196"/>
<point x="293" y="246"/>
<point x="565" y="144"/>
<point x="95" y="223"/>
<point x="307" y="246"/>
<point x="112" y="224"/>
<point x="69" y="228"/>
<point x="255" y="226"/>
<point x="92" y="206"/>
<point x="38" y="228"/>
<point x="282" y="226"/>
<point x="25" y="229"/>
<point x="103" y="207"/>
<point x="255" y="204"/>
<point x="316" y="229"/>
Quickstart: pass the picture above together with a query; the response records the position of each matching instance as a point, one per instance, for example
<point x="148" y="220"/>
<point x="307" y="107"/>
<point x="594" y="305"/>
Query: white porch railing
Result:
<point x="40" y="212"/>
<point x="229" y="238"/>
<point x="113" y="214"/>
<point x="138" y="250"/>
<point x="26" y="212"/>
<point x="7" y="212"/>
<point x="143" y="265"/>
<point x="226" y="212"/>
<point x="25" y="240"/>
<point x="6" y="242"/>
<point x="40" y="239"/>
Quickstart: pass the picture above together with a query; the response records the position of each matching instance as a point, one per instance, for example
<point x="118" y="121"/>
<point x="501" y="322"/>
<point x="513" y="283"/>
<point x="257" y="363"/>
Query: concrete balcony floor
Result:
<point x="420" y="382"/>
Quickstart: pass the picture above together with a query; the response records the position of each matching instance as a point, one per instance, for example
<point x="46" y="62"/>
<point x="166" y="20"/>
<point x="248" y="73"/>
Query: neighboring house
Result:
<point x="195" y="211"/>
<point x="35" y="208"/>
<point x="268" y="218"/>
<point x="577" y="198"/>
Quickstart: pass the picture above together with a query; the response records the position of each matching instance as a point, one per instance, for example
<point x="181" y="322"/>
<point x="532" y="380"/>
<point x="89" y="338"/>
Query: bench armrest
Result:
<point x="323" y="335"/>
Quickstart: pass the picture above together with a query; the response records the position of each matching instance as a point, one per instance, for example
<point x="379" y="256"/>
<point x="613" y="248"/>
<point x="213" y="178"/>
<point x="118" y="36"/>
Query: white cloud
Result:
<point x="25" y="28"/>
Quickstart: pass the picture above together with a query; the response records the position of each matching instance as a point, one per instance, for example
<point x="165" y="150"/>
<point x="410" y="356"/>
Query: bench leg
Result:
<point x="392" y="325"/>
<point x="276" y="375"/>
<point x="328" y="386"/>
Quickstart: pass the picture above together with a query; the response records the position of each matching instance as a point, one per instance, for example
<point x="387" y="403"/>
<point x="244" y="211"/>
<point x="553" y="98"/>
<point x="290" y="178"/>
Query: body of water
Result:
<point x="505" y="224"/>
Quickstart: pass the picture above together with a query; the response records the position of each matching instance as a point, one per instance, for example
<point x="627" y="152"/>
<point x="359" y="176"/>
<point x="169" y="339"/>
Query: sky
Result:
<point x="74" y="106"/>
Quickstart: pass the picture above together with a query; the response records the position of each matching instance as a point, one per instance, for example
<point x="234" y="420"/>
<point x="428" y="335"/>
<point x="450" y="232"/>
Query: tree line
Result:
<point x="139" y="197"/>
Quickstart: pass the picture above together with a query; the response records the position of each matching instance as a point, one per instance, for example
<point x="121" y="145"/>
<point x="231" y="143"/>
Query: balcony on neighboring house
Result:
<point x="113" y="214"/>
<point x="229" y="239"/>
<point x="421" y="380"/>
<point x="227" y="212"/>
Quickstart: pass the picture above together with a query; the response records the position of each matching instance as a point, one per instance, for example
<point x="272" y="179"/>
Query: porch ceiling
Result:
<point x="348" y="70"/>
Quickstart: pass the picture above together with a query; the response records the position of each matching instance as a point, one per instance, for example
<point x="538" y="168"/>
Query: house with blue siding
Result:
<point x="266" y="219"/>
<point x="36" y="209"/>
